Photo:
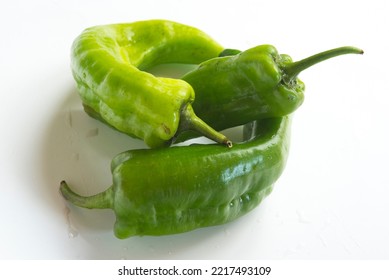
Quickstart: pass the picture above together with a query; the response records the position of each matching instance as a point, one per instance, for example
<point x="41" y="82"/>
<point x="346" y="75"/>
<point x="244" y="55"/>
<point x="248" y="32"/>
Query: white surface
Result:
<point x="330" y="203"/>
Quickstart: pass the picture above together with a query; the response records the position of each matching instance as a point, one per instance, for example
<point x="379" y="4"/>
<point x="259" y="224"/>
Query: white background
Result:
<point x="330" y="203"/>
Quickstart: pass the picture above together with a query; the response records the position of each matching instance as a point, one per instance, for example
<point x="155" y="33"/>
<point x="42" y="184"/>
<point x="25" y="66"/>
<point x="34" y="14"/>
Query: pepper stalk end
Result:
<point x="101" y="200"/>
<point x="190" y="121"/>
<point x="292" y="70"/>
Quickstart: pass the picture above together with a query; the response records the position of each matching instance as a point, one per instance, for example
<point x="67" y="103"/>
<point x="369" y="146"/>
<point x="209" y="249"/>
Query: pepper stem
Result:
<point x="292" y="70"/>
<point x="102" y="200"/>
<point x="190" y="121"/>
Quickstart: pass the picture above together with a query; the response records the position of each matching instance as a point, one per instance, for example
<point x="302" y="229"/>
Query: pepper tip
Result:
<point x="62" y="188"/>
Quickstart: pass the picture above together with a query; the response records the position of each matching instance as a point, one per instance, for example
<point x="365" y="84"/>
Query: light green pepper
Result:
<point x="108" y="64"/>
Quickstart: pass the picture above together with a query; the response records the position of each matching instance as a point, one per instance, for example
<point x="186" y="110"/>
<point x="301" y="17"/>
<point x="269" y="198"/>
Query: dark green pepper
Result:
<point x="174" y="190"/>
<point x="239" y="87"/>
<point x="108" y="64"/>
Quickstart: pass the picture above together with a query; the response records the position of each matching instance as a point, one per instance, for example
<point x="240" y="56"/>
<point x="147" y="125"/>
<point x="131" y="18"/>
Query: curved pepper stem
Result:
<point x="189" y="120"/>
<point x="101" y="200"/>
<point x="292" y="70"/>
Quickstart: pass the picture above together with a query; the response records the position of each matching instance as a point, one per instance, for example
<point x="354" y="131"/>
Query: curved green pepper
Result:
<point x="239" y="87"/>
<point x="108" y="62"/>
<point x="174" y="190"/>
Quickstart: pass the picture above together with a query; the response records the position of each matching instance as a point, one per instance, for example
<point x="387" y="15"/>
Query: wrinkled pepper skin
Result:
<point x="238" y="87"/>
<point x="179" y="189"/>
<point x="108" y="64"/>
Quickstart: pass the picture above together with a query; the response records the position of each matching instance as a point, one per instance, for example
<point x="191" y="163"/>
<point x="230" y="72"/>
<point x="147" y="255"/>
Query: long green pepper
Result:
<point x="179" y="189"/>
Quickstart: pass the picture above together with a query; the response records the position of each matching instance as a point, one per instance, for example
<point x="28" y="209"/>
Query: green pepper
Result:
<point x="179" y="189"/>
<point x="239" y="87"/>
<point x="108" y="64"/>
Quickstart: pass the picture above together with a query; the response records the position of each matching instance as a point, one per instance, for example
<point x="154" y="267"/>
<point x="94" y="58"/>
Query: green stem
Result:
<point x="102" y="200"/>
<point x="189" y="120"/>
<point x="291" y="71"/>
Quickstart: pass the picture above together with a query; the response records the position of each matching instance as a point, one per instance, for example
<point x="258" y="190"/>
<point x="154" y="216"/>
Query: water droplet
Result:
<point x="301" y="218"/>
<point x="92" y="132"/>
<point x="72" y="233"/>
<point x="347" y="249"/>
<point x="69" y="119"/>
<point x="323" y="241"/>
<point x="356" y="242"/>
<point x="289" y="252"/>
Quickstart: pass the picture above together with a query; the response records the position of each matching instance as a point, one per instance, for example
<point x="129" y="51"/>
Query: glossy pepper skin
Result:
<point x="179" y="189"/>
<point x="239" y="87"/>
<point x="108" y="64"/>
